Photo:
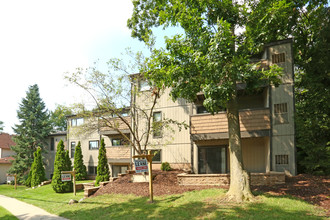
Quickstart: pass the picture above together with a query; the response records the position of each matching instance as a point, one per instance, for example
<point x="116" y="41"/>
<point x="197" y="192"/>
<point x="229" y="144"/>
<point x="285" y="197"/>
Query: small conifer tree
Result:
<point x="78" y="163"/>
<point x="68" y="161"/>
<point x="61" y="164"/>
<point x="37" y="168"/>
<point x="102" y="167"/>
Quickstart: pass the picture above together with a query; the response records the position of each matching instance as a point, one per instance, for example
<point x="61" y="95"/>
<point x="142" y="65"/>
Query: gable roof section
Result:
<point x="6" y="140"/>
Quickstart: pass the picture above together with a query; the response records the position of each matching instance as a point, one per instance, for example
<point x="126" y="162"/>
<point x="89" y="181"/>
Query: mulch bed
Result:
<point x="313" y="189"/>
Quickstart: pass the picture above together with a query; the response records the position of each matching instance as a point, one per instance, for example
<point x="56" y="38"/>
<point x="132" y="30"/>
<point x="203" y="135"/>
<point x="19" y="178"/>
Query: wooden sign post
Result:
<point x="149" y="157"/>
<point x="15" y="176"/>
<point x="73" y="173"/>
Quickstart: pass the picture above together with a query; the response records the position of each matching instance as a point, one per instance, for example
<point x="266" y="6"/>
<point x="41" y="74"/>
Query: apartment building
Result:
<point x="266" y="123"/>
<point x="266" y="120"/>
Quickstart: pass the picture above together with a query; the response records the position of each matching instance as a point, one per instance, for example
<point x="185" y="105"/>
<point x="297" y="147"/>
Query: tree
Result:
<point x="1" y="126"/>
<point x="102" y="166"/>
<point x="61" y="164"/>
<point x="38" y="170"/>
<point x="112" y="93"/>
<point x="308" y="23"/>
<point x="58" y="117"/>
<point x="34" y="127"/>
<point x="209" y="57"/>
<point x="68" y="161"/>
<point x="78" y="163"/>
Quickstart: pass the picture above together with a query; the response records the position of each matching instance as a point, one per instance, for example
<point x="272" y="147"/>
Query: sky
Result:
<point x="42" y="40"/>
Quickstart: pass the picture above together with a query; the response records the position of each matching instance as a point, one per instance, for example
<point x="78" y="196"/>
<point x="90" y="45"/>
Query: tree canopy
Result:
<point x="58" y="117"/>
<point x="34" y="126"/>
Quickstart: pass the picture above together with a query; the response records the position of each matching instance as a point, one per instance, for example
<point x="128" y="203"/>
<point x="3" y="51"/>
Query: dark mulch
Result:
<point x="313" y="189"/>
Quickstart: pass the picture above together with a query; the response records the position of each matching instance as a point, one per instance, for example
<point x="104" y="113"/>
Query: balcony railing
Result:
<point x="250" y="120"/>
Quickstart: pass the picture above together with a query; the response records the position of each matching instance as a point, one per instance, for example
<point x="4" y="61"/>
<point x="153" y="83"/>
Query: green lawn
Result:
<point x="5" y="215"/>
<point x="205" y="204"/>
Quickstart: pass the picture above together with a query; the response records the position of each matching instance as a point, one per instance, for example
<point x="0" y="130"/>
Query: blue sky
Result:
<point x="41" y="40"/>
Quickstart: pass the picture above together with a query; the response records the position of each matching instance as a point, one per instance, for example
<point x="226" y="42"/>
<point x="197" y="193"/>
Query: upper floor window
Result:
<point x="281" y="113"/>
<point x="73" y="147"/>
<point x="77" y="121"/>
<point x="52" y="144"/>
<point x="201" y="110"/>
<point x="157" y="124"/>
<point x="116" y="142"/>
<point x="278" y="58"/>
<point x="144" y="85"/>
<point x="282" y="159"/>
<point x="93" y="145"/>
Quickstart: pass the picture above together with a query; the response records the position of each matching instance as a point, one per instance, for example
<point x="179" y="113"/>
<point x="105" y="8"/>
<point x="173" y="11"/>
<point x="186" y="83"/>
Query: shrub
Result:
<point x="38" y="170"/>
<point x="61" y="164"/>
<point x="78" y="163"/>
<point x="165" y="166"/>
<point x="102" y="166"/>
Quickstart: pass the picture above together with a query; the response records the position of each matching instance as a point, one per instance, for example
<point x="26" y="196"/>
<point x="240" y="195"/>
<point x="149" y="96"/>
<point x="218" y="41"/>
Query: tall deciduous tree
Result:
<point x="209" y="57"/>
<point x="58" y="117"/>
<point x="102" y="166"/>
<point x="309" y="24"/>
<point x="78" y="163"/>
<point x="31" y="132"/>
<point x="61" y="164"/>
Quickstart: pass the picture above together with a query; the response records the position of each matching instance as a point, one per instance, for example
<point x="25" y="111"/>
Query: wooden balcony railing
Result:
<point x="250" y="120"/>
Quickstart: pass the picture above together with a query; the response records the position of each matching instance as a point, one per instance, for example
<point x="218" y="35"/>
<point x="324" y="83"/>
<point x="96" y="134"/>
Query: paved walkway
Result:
<point x="26" y="211"/>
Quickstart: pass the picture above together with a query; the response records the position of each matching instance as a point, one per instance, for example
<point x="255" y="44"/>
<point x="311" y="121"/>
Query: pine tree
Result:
<point x="102" y="167"/>
<point x="34" y="127"/>
<point x="78" y="163"/>
<point x="38" y="170"/>
<point x="61" y="164"/>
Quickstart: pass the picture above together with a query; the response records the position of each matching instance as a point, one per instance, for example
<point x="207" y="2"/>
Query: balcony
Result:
<point x="107" y="129"/>
<point x="253" y="123"/>
<point x="119" y="154"/>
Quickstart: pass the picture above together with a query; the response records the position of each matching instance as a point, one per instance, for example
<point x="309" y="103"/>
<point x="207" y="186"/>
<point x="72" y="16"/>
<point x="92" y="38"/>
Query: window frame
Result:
<point x="52" y="144"/>
<point x="72" y="143"/>
<point x="281" y="113"/>
<point x="92" y="148"/>
<point x="75" y="122"/>
<point x="93" y="168"/>
<point x="116" y="139"/>
<point x="158" y="132"/>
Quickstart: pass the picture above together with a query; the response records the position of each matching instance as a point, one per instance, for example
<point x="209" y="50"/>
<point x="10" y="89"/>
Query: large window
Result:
<point x="212" y="160"/>
<point x="93" y="145"/>
<point x="77" y="122"/>
<point x="157" y="125"/>
<point x="73" y="147"/>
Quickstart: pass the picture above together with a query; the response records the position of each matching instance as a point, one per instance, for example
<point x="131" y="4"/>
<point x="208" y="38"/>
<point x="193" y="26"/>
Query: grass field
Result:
<point x="5" y="215"/>
<point x="205" y="204"/>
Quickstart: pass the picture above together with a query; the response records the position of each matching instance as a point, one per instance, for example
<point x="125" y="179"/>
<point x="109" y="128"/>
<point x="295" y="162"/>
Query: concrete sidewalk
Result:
<point x="26" y="211"/>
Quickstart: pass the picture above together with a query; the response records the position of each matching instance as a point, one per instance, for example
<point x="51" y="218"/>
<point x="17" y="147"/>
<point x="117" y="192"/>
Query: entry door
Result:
<point x="211" y="160"/>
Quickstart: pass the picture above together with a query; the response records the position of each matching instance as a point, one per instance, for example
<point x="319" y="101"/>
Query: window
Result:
<point x="77" y="122"/>
<point x="118" y="169"/>
<point x="157" y="156"/>
<point x="281" y="113"/>
<point x="282" y="159"/>
<point x="157" y="124"/>
<point x="92" y="170"/>
<point x="278" y="58"/>
<point x="144" y="85"/>
<point x="201" y="110"/>
<point x="212" y="159"/>
<point x="73" y="147"/>
<point x="93" y="145"/>
<point x="52" y="144"/>
<point x="116" y="142"/>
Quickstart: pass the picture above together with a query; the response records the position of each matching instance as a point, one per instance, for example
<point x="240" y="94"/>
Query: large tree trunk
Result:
<point x="239" y="189"/>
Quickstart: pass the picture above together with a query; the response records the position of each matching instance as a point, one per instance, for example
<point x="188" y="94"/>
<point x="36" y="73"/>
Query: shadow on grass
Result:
<point x="139" y="208"/>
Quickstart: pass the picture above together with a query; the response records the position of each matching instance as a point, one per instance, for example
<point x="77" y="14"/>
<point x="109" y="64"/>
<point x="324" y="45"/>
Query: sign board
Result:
<point x="141" y="165"/>
<point x="10" y="179"/>
<point x="66" y="177"/>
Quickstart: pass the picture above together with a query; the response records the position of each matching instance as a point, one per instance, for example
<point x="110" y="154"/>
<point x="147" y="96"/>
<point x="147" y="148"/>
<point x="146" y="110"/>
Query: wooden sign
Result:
<point x="15" y="179"/>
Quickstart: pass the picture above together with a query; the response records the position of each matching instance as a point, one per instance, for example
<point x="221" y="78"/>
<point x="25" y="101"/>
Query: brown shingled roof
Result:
<point x="6" y="160"/>
<point x="6" y="140"/>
